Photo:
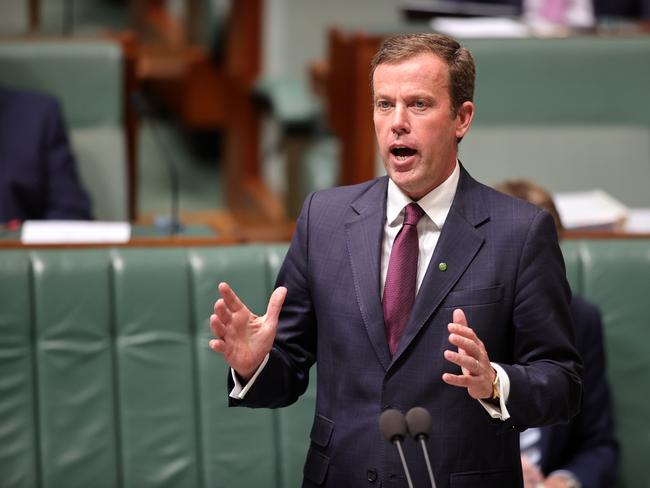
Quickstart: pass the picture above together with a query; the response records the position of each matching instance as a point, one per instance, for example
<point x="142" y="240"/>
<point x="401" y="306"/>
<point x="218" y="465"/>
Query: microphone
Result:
<point x="418" y="421"/>
<point x="172" y="223"/>
<point x="393" y="427"/>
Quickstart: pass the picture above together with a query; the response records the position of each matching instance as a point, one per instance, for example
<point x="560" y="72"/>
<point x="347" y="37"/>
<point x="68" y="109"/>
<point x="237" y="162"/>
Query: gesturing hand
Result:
<point x="533" y="477"/>
<point x="244" y="338"/>
<point x="478" y="373"/>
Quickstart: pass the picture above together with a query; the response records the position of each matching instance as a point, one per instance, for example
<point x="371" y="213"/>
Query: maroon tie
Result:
<point x="399" y="290"/>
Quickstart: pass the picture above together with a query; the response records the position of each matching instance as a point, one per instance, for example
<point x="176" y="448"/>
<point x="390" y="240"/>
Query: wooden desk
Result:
<point x="207" y="228"/>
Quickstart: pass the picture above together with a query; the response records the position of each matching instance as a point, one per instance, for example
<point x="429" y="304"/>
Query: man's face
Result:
<point x="414" y="123"/>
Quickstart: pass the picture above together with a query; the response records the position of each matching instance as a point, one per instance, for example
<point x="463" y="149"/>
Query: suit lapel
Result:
<point x="458" y="244"/>
<point x="364" y="229"/>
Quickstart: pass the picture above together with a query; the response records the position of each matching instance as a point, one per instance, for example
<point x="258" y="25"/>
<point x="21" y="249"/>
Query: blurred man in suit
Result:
<point x="420" y="288"/>
<point x="583" y="453"/>
<point x="38" y="174"/>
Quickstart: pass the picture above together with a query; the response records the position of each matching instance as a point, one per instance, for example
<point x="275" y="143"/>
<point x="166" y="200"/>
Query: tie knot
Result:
<point x="412" y="214"/>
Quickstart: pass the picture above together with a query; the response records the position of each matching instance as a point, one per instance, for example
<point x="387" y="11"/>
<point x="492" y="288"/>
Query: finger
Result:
<point x="218" y="329"/>
<point x="461" y="326"/>
<point x="230" y="298"/>
<point x="458" y="317"/>
<point x="275" y="303"/>
<point x="465" y="345"/>
<point x="463" y="330"/>
<point x="470" y="364"/>
<point x="221" y="311"/>
<point x="469" y="333"/>
<point x="217" y="345"/>
<point x="462" y="381"/>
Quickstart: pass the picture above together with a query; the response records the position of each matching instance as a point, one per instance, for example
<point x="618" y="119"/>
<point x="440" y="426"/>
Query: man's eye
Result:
<point x="383" y="105"/>
<point x="420" y="104"/>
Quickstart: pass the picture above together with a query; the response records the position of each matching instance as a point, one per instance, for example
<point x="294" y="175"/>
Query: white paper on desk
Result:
<point x="490" y="27"/>
<point x="74" y="232"/>
<point x="594" y="208"/>
<point x="638" y="221"/>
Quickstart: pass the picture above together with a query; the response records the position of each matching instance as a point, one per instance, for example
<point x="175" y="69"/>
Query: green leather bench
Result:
<point x="570" y="114"/>
<point x="106" y="379"/>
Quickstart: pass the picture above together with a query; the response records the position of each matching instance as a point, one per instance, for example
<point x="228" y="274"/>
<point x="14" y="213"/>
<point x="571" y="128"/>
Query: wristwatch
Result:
<point x="496" y="386"/>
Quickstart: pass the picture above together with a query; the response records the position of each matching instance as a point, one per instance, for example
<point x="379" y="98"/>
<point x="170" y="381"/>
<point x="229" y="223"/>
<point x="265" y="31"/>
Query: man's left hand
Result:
<point x="477" y="372"/>
<point x="557" y="482"/>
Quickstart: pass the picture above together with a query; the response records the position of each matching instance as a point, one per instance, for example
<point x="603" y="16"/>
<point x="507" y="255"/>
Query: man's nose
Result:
<point x="400" y="123"/>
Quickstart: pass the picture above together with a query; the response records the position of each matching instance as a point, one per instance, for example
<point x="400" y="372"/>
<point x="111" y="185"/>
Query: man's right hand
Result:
<point x="533" y="477"/>
<point x="243" y="338"/>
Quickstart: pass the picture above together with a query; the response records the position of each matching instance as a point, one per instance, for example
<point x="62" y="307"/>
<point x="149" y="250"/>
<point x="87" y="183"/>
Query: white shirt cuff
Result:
<point x="500" y="412"/>
<point x="239" y="392"/>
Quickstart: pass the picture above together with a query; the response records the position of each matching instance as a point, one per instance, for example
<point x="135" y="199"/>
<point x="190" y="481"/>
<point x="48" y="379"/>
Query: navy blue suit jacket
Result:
<point x="586" y="446"/>
<point x="38" y="176"/>
<point x="504" y="269"/>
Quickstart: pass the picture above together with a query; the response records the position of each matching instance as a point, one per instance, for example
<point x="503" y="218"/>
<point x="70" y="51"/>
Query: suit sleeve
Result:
<point x="66" y="198"/>
<point x="286" y="374"/>
<point x="545" y="374"/>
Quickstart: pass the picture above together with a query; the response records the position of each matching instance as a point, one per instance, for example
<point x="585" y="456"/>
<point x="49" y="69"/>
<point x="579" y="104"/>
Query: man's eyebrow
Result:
<point x="425" y="95"/>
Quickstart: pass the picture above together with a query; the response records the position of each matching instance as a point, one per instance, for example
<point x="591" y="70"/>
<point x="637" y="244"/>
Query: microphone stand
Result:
<point x="418" y="421"/>
<point x="171" y="225"/>
<point x="401" y="455"/>
<point x="421" y="439"/>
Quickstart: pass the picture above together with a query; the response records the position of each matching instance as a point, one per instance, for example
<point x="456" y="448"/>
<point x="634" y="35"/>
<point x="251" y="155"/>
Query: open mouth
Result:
<point x="402" y="153"/>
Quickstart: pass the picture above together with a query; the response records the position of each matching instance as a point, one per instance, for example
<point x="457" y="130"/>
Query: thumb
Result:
<point x="459" y="317"/>
<point x="275" y="303"/>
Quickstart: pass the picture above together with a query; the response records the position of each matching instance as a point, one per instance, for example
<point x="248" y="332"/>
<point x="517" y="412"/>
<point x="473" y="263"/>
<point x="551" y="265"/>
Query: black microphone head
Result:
<point x="418" y="421"/>
<point x="392" y="425"/>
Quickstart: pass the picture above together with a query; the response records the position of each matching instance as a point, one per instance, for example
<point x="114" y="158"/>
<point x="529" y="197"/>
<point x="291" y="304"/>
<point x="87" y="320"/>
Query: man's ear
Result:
<point x="464" y="118"/>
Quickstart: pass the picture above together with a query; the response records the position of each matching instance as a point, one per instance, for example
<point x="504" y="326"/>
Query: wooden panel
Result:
<point x="350" y="102"/>
<point x="208" y="94"/>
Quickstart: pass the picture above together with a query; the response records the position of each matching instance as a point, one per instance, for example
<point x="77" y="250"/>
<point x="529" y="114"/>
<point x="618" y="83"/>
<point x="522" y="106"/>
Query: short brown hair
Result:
<point x="462" y="71"/>
<point x="535" y="194"/>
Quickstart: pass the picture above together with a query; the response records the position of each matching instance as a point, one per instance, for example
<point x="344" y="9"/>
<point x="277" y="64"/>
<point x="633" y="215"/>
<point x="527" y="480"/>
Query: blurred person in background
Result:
<point x="38" y="173"/>
<point x="583" y="453"/>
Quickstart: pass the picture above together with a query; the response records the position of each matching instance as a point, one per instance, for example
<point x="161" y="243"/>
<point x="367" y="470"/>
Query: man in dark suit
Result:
<point x="38" y="175"/>
<point x="583" y="453"/>
<point x="474" y="321"/>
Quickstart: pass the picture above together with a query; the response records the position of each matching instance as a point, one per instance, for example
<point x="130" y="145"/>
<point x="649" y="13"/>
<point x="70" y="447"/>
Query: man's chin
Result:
<point x="406" y="182"/>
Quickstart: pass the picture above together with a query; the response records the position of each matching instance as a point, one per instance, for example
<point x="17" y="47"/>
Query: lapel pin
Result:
<point x="442" y="266"/>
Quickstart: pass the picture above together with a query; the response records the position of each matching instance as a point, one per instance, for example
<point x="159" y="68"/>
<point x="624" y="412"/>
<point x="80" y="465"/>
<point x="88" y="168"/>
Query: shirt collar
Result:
<point x="436" y="203"/>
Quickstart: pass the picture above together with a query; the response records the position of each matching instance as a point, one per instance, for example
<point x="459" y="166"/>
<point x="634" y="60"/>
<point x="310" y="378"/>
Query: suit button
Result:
<point x="371" y="475"/>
